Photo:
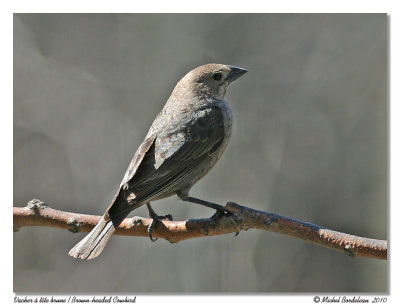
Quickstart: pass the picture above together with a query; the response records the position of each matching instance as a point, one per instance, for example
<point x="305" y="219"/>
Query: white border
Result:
<point x="283" y="6"/>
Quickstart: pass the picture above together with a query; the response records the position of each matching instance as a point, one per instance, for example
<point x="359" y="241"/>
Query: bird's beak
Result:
<point x="235" y="73"/>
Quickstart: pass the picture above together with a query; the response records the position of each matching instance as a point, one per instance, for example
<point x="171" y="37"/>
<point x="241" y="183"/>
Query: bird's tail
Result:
<point x="93" y="244"/>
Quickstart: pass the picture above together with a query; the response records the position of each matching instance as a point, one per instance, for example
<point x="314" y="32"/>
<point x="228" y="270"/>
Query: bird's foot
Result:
<point x="224" y="213"/>
<point x="221" y="213"/>
<point x="155" y="220"/>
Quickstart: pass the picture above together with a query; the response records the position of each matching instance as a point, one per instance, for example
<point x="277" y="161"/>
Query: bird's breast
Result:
<point x="227" y="117"/>
<point x="209" y="162"/>
<point x="227" y="124"/>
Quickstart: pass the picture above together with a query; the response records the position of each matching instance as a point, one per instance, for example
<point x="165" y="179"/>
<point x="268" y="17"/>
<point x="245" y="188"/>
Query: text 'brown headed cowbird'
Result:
<point x="184" y="142"/>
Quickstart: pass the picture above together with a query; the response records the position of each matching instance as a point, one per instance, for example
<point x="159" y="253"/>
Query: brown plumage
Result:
<point x="184" y="142"/>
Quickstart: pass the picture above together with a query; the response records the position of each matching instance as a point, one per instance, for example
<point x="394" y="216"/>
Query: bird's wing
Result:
<point x="172" y="157"/>
<point x="119" y="206"/>
<point x="138" y="158"/>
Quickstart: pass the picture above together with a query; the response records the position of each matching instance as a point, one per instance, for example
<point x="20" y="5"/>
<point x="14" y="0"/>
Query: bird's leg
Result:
<point x="155" y="219"/>
<point x="221" y="210"/>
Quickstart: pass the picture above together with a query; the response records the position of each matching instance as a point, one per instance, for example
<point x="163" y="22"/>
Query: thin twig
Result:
<point x="36" y="213"/>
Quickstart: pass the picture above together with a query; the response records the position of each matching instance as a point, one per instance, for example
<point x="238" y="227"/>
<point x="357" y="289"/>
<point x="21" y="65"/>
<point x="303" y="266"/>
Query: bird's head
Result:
<point x="207" y="81"/>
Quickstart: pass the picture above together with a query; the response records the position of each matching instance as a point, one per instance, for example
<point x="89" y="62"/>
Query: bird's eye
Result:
<point x="217" y="76"/>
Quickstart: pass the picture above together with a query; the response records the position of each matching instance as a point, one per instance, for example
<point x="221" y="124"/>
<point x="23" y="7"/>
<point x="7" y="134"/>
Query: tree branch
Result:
<point x="36" y="213"/>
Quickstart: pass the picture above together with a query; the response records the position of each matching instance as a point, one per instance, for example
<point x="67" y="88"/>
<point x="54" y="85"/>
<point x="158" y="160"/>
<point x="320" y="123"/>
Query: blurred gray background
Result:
<point x="309" y="142"/>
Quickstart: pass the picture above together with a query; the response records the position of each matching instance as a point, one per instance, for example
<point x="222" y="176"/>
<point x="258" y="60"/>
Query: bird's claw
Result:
<point x="221" y="213"/>
<point x="225" y="213"/>
<point x="150" y="230"/>
<point x="155" y="220"/>
<point x="168" y="216"/>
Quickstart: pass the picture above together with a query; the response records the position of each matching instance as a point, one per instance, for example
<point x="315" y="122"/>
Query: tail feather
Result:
<point x="93" y="244"/>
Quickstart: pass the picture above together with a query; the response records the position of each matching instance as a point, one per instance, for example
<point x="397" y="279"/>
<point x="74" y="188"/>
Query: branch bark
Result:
<point x="36" y="213"/>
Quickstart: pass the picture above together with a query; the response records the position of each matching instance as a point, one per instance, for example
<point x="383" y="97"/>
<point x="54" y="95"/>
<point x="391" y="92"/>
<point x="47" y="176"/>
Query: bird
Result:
<point x="184" y="142"/>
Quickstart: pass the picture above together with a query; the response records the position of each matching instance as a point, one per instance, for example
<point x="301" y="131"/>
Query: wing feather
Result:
<point x="173" y="155"/>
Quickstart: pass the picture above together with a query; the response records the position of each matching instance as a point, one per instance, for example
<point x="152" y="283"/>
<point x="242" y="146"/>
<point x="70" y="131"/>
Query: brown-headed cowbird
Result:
<point x="184" y="142"/>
